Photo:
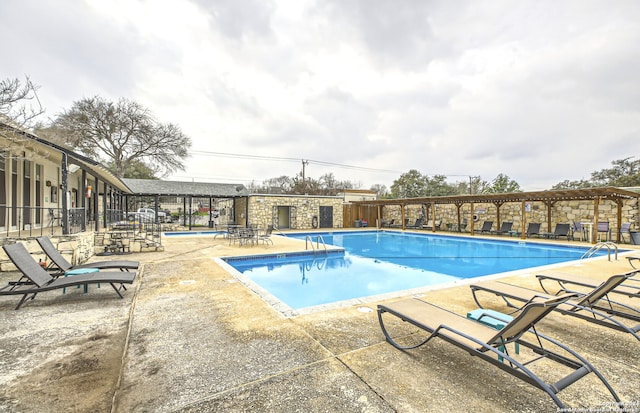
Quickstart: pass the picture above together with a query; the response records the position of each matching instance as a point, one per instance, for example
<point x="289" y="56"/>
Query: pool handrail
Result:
<point x="319" y="238"/>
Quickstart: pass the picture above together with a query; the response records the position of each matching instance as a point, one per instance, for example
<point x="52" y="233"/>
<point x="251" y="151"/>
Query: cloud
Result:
<point x="541" y="91"/>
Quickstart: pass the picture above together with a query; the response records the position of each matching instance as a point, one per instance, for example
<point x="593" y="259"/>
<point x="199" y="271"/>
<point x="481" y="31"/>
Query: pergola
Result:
<point x="548" y="198"/>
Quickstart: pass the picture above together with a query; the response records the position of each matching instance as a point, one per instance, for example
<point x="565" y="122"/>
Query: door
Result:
<point x="326" y="217"/>
<point x="283" y="217"/>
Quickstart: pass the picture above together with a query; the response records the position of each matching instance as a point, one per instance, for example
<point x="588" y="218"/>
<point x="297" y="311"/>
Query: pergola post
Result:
<point x="596" y="212"/>
<point x="523" y="219"/>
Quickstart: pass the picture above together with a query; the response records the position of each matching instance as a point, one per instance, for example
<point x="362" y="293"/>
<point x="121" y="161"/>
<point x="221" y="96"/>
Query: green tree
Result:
<point x="410" y="184"/>
<point x="123" y="132"/>
<point x="136" y="170"/>
<point x="566" y="184"/>
<point x="380" y="190"/>
<point x="438" y="186"/>
<point x="502" y="184"/>
<point x="625" y="172"/>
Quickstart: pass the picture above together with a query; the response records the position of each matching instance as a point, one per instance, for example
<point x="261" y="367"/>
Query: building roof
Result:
<point x="93" y="167"/>
<point x="177" y="188"/>
<point x="609" y="193"/>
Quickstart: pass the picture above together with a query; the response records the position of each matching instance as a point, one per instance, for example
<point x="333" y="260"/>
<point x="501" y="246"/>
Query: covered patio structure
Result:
<point x="618" y="196"/>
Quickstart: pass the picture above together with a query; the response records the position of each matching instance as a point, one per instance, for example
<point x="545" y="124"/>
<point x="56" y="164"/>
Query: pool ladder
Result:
<point x="608" y="244"/>
<point x="308" y="241"/>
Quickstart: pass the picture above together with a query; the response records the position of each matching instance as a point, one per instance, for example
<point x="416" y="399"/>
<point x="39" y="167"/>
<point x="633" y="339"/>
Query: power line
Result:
<point x="279" y="158"/>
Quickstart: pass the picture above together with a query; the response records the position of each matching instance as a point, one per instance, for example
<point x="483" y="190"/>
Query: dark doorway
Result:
<point x="326" y="217"/>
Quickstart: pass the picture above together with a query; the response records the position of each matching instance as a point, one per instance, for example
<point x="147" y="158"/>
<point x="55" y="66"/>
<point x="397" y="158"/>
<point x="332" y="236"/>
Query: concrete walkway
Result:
<point x="188" y="337"/>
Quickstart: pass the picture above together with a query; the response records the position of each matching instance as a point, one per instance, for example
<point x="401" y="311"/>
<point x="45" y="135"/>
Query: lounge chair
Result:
<point x="486" y="227"/>
<point x="386" y="223"/>
<point x="429" y="224"/>
<point x="594" y="307"/>
<point x="563" y="283"/>
<point x="505" y="228"/>
<point x="59" y="263"/>
<point x="406" y="223"/>
<point x="40" y="280"/>
<point x="418" y="224"/>
<point x="561" y="230"/>
<point x="484" y="342"/>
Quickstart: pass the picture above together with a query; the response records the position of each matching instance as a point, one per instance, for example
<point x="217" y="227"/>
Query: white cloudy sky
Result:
<point x="542" y="91"/>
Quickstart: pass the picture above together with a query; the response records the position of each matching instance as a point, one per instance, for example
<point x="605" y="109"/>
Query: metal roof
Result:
<point x="93" y="167"/>
<point x="610" y="193"/>
<point x="177" y="188"/>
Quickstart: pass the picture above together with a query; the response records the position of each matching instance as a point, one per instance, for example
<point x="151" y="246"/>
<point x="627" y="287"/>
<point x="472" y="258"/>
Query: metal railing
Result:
<point x="308" y="241"/>
<point x="607" y="244"/>
<point x="38" y="221"/>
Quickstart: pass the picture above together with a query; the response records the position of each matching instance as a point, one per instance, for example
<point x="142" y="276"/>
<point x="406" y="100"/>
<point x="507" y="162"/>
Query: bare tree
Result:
<point x="19" y="108"/>
<point x="123" y="132"/>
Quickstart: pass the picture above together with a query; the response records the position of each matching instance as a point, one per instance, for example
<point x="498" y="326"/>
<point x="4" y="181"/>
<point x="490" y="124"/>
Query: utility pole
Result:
<point x="304" y="163"/>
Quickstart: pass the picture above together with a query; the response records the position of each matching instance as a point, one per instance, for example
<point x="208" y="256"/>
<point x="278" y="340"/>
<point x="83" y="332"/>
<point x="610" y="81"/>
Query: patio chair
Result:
<point x="564" y="282"/>
<point x="463" y="225"/>
<point x="603" y="227"/>
<point x="578" y="229"/>
<point x="505" y="227"/>
<point x="533" y="228"/>
<point x="625" y="229"/>
<point x="486" y="226"/>
<point x="60" y="265"/>
<point x="594" y="306"/>
<point x="484" y="342"/>
<point x="265" y="237"/>
<point x="40" y="280"/>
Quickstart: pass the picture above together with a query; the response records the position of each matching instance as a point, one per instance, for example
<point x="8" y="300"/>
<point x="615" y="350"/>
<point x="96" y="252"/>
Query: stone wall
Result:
<point x="75" y="248"/>
<point x="263" y="210"/>
<point x="561" y="212"/>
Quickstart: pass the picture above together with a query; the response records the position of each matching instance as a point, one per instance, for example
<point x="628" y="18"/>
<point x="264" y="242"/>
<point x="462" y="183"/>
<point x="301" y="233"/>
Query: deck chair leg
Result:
<point x="24" y="299"/>
<point x="116" y="290"/>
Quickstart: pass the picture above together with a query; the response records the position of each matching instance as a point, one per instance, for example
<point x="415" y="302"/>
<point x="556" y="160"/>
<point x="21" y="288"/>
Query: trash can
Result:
<point x="357" y="223"/>
<point x="211" y="224"/>
<point x="635" y="237"/>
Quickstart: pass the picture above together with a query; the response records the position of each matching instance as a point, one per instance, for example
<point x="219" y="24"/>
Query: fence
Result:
<point x="37" y="221"/>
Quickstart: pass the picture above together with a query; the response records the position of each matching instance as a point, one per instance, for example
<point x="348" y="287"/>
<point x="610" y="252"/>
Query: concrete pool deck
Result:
<point x="188" y="337"/>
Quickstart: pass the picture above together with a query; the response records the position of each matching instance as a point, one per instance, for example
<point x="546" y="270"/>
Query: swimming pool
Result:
<point x="375" y="263"/>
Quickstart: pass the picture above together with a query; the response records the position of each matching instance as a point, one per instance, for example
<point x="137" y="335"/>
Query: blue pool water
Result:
<point x="375" y="263"/>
